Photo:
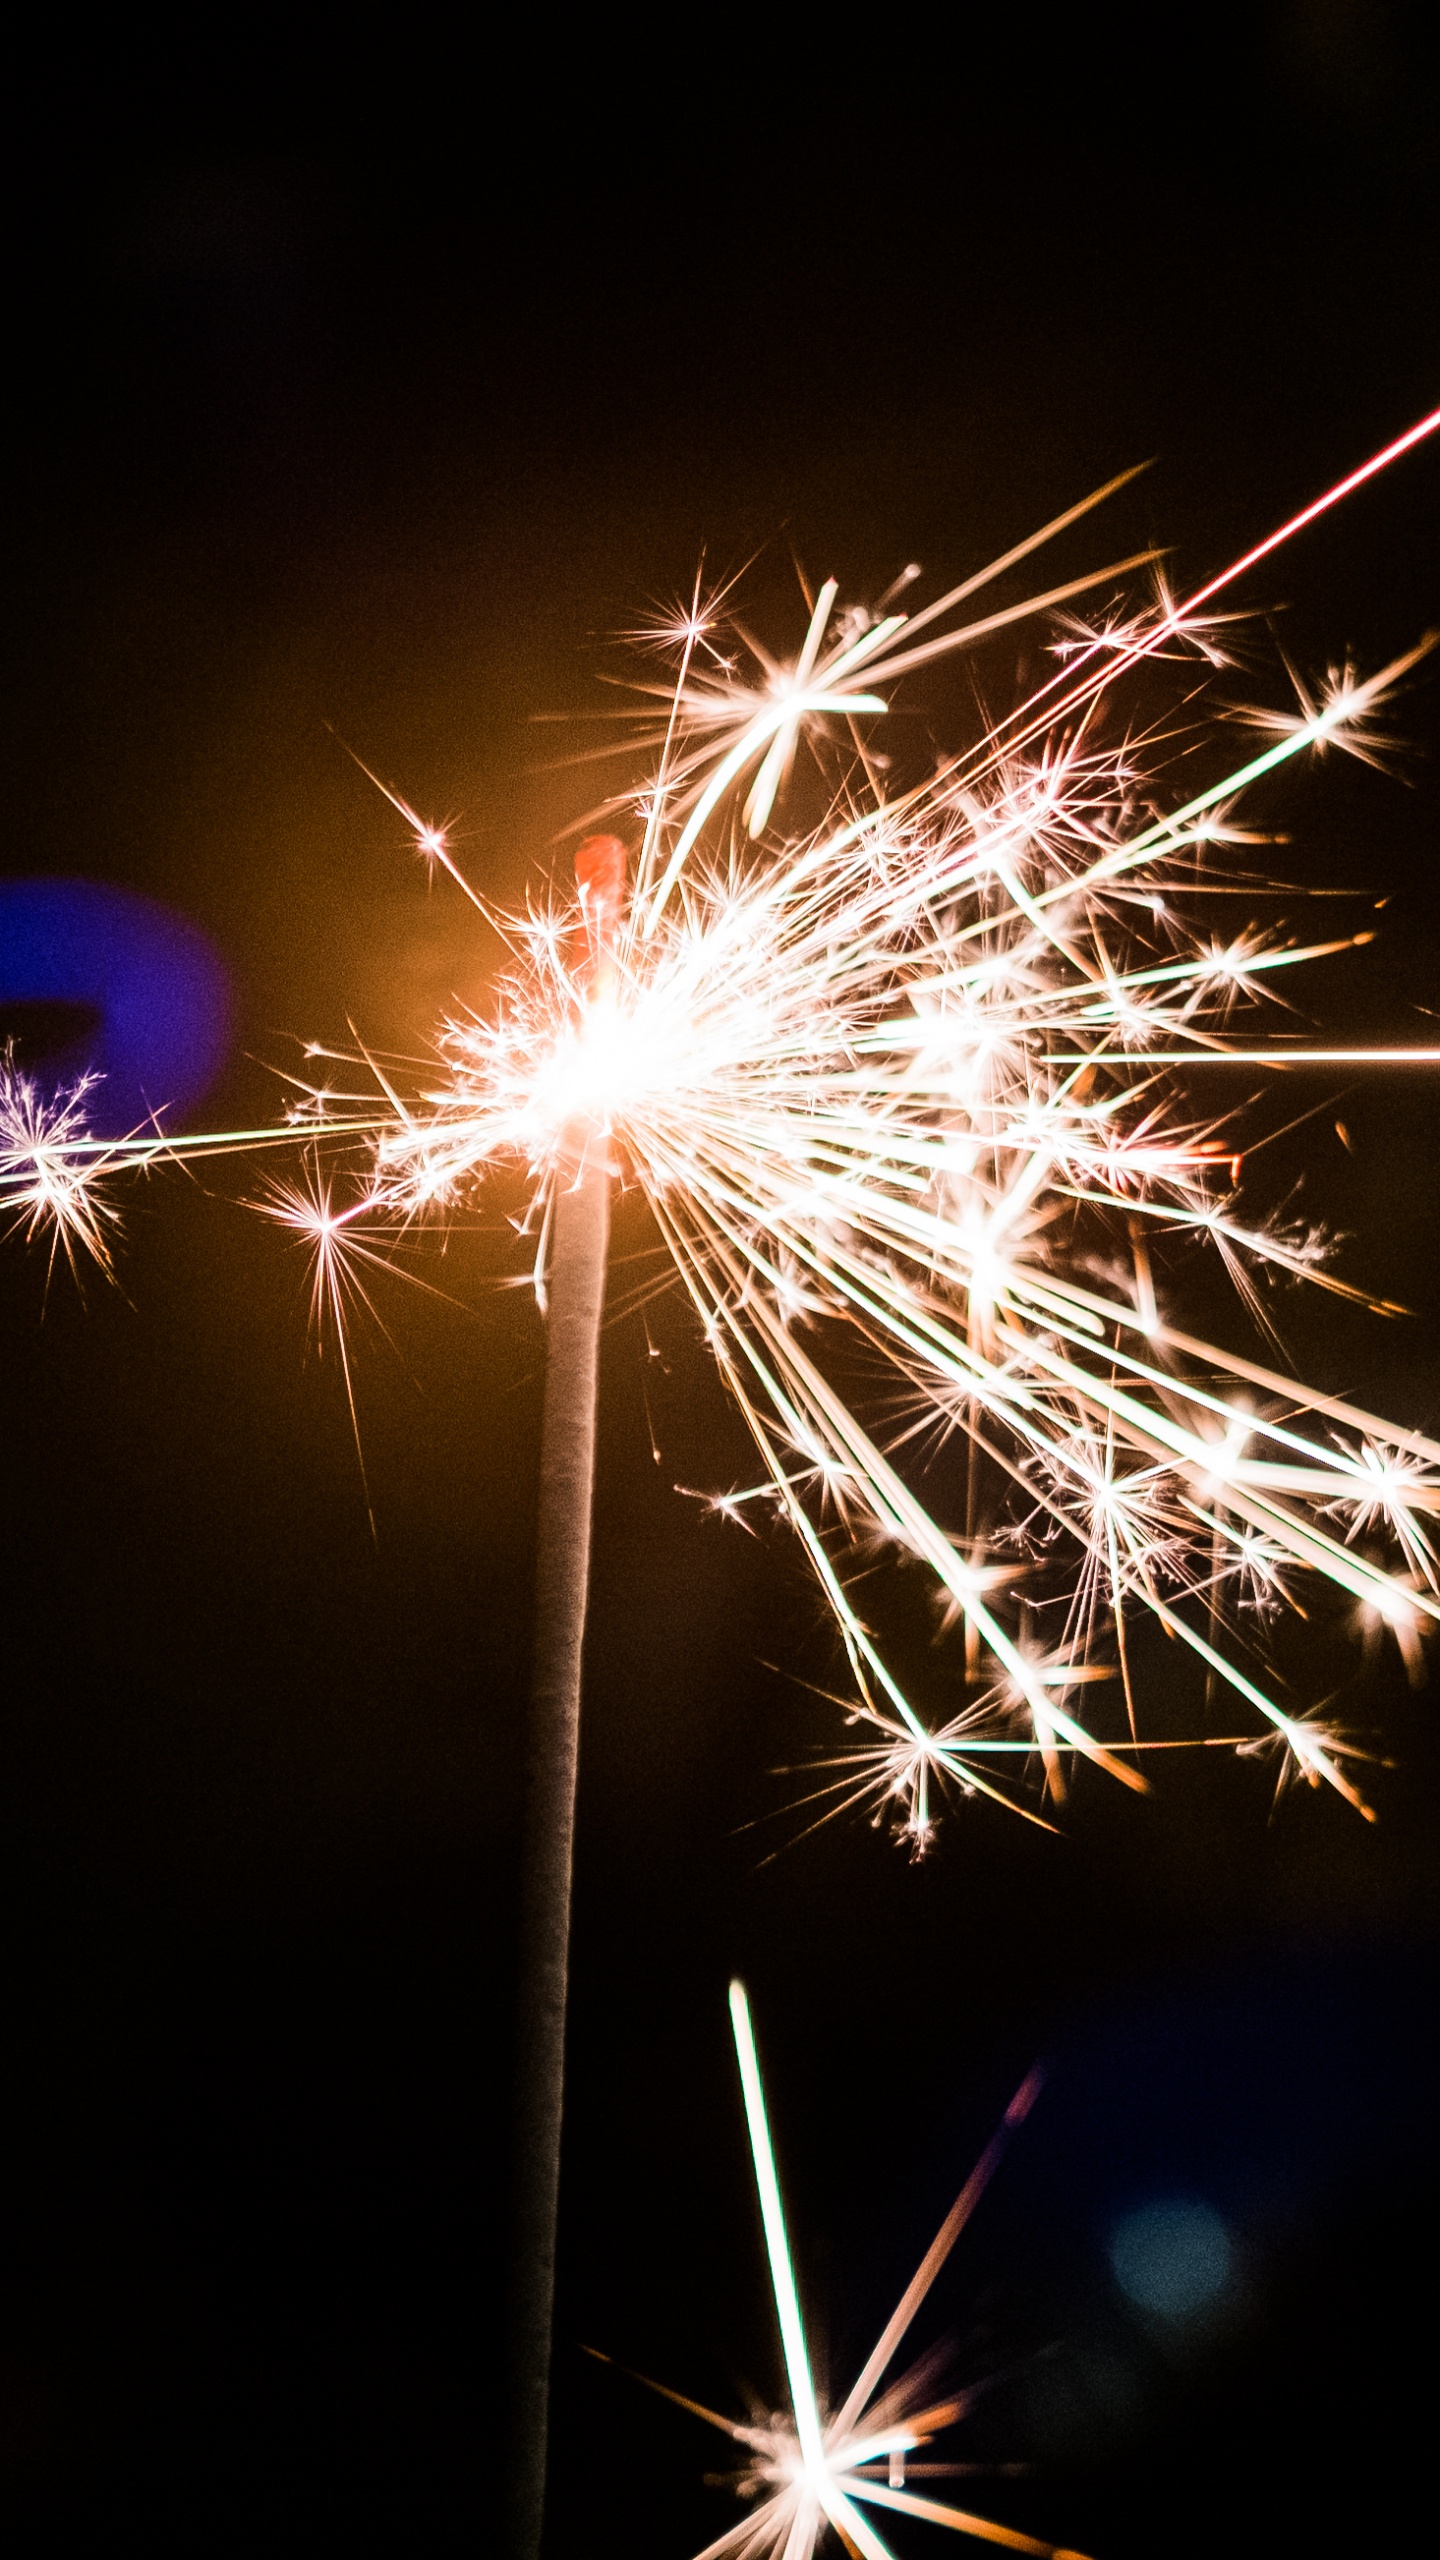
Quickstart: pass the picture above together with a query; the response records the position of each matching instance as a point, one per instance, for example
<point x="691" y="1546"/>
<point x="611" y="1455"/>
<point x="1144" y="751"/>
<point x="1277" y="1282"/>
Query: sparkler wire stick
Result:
<point x="575" y="1305"/>
<point x="562" y="1571"/>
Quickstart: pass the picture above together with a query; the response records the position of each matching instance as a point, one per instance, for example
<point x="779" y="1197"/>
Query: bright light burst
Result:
<point x="807" y="2469"/>
<point x="52" y="1171"/>
<point x="924" y="1099"/>
<point x="930" y="1101"/>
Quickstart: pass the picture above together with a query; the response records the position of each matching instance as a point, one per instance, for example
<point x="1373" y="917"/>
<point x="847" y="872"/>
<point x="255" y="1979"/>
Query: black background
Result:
<point x="374" y="380"/>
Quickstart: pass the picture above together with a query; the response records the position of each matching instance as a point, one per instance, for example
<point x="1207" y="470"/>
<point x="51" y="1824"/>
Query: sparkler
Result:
<point x="918" y="1093"/>
<point x="907" y="1081"/>
<point x="808" y="2469"/>
<point x="932" y="1078"/>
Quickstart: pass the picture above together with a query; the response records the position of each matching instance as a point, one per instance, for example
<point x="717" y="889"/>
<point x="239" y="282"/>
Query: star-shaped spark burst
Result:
<point x="808" y="2469"/>
<point x="52" y="1169"/>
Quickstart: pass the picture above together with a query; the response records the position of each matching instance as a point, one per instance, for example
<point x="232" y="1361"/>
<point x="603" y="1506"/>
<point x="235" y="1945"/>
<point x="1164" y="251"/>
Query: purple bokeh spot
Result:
<point x="102" y="980"/>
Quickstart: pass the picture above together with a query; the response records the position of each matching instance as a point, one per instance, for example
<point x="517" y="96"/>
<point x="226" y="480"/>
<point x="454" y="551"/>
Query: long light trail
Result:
<point x="808" y="2469"/>
<point x="922" y="1101"/>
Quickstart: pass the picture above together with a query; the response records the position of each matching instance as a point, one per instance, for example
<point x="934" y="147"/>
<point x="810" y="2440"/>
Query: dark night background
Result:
<point x="376" y="390"/>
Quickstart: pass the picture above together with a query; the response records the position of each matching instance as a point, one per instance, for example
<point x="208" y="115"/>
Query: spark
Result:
<point x="925" y="1091"/>
<point x="52" y="1171"/>
<point x="312" y="1209"/>
<point x="807" y="2469"/>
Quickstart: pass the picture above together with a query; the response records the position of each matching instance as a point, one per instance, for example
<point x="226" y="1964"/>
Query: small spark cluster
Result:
<point x="806" y="2469"/>
<point x="51" y="1168"/>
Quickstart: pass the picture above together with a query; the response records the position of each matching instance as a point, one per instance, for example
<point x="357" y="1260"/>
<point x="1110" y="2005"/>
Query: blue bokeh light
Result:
<point x="1173" y="2257"/>
<point x="146" y="993"/>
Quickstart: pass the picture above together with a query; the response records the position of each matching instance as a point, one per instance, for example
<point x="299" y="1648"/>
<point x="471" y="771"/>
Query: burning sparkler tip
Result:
<point x="900" y="1071"/>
